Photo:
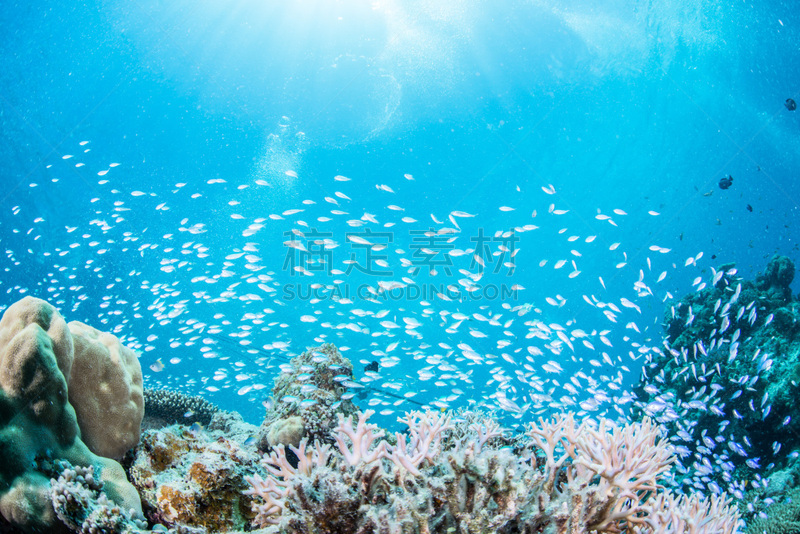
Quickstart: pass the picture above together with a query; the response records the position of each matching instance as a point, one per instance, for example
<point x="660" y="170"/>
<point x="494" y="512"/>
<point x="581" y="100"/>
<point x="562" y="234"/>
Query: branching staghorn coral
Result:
<point x="627" y="460"/>
<point x="668" y="513"/>
<point x="486" y="431"/>
<point x="274" y="489"/>
<point x="426" y="438"/>
<point x="593" y="477"/>
<point x="362" y="437"/>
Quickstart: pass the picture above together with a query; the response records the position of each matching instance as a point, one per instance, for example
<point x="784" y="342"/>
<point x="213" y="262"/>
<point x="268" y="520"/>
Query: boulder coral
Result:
<point x="106" y="391"/>
<point x="37" y="422"/>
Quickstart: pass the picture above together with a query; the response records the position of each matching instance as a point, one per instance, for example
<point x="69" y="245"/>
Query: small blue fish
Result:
<point x="738" y="449"/>
<point x="752" y="463"/>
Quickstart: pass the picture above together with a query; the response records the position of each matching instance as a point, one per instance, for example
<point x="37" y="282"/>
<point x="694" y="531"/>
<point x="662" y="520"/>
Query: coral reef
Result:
<point x="309" y="393"/>
<point x="191" y="478"/>
<point x="726" y="382"/>
<point x="318" y="466"/>
<point x="37" y="423"/>
<point x="783" y="517"/>
<point x="776" y="279"/>
<point x="106" y="391"/>
<point x="574" y="478"/>
<point x="772" y="504"/>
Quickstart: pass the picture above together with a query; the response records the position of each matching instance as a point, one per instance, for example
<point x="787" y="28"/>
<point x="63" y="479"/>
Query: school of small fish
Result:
<point x="575" y="315"/>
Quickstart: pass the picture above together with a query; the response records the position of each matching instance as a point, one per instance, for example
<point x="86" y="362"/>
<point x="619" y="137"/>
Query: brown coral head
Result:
<point x="287" y="431"/>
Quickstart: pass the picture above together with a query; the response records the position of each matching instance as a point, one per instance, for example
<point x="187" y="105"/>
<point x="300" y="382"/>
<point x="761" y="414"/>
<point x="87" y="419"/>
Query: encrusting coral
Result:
<point x="81" y="504"/>
<point x="194" y="478"/>
<point x="782" y="517"/>
<point x="568" y="478"/>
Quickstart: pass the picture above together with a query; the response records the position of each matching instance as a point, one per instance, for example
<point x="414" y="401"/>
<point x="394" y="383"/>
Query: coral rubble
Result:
<point x="195" y="477"/>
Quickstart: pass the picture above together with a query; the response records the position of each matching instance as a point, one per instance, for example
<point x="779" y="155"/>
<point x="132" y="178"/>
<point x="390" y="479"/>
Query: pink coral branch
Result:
<point x="273" y="497"/>
<point x="362" y="437"/>
<point x="425" y="440"/>
<point x="486" y="430"/>
<point x="401" y="457"/>
<point x="316" y="456"/>
<point x="548" y="435"/>
<point x="274" y="489"/>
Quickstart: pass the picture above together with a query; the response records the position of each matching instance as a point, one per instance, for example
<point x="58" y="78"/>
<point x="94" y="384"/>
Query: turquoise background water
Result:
<point x="636" y="106"/>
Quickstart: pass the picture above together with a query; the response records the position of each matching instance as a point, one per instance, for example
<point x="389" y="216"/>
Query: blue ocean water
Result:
<point x="540" y="106"/>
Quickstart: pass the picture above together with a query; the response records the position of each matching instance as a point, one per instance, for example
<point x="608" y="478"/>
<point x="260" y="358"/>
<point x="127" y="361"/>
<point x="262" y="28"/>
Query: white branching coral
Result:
<point x="554" y="438"/>
<point x="629" y="461"/>
<point x="486" y="430"/>
<point x="680" y="514"/>
<point x="273" y="494"/>
<point x="425" y="437"/>
<point x="630" y="458"/>
<point x="561" y="476"/>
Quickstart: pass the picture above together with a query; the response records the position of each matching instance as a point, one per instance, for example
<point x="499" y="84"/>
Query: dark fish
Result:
<point x="790" y="104"/>
<point x="749" y="208"/>
<point x="372" y="367"/>
<point x="725" y="182"/>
